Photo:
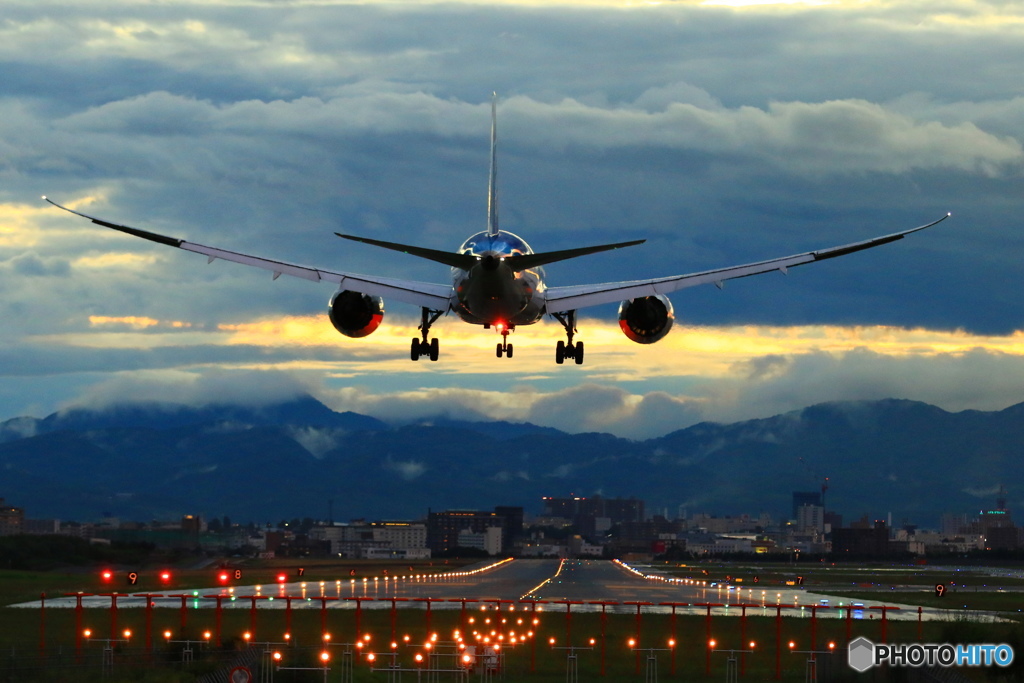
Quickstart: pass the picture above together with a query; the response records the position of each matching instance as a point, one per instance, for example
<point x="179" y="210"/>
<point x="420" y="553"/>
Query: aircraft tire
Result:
<point x="508" y="351"/>
<point x="578" y="355"/>
<point x="435" y="349"/>
<point x="414" y="353"/>
<point x="560" y="352"/>
<point x="498" y="351"/>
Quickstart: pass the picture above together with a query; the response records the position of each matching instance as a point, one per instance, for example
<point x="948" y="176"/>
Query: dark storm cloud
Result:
<point x="723" y="136"/>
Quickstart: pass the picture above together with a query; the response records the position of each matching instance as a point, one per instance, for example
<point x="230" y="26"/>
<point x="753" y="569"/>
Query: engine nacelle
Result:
<point x="354" y="314"/>
<point x="647" y="319"/>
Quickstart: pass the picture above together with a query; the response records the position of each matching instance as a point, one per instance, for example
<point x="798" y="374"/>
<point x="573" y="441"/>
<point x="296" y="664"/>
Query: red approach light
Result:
<point x="165" y="576"/>
<point x="107" y="575"/>
<point x="223" y="577"/>
<point x="282" y="578"/>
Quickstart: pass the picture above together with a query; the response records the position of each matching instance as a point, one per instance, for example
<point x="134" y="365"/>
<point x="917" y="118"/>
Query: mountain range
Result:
<point x="301" y="459"/>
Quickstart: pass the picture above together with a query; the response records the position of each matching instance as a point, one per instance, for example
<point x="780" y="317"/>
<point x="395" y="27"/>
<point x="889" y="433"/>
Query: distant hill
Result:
<point x="295" y="459"/>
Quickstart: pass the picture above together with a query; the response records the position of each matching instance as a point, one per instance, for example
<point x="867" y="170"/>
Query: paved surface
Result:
<point x="551" y="581"/>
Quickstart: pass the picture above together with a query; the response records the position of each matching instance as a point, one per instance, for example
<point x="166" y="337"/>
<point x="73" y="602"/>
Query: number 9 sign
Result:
<point x="940" y="590"/>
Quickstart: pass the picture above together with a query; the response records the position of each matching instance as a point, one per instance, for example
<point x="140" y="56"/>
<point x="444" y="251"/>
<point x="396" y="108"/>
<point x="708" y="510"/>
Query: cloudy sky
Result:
<point x="722" y="132"/>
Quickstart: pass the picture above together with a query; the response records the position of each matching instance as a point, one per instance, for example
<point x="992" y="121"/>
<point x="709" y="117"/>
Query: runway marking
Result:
<point x="544" y="582"/>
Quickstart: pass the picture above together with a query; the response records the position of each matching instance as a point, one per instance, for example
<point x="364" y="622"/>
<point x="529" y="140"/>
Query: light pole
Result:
<point x="324" y="657"/>
<point x="732" y="668"/>
<point x="811" y="664"/>
<point x="651" y="663"/>
<point x="572" y="672"/>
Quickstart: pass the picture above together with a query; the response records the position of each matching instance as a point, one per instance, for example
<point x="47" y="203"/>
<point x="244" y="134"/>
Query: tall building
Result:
<point x="801" y="498"/>
<point x="810" y="518"/>
<point x="858" y="541"/>
<point x="443" y="528"/>
<point x="513" y="529"/>
<point x="12" y="519"/>
<point x="590" y="514"/>
<point x="997" y="525"/>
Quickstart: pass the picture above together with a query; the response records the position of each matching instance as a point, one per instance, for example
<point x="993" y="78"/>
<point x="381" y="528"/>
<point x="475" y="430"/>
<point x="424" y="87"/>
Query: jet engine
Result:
<point x="647" y="319"/>
<point x="354" y="314"/>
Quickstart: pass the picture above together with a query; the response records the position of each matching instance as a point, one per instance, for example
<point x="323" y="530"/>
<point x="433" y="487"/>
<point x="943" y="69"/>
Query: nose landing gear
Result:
<point x="504" y="348"/>
<point x="422" y="347"/>
<point x="568" y="349"/>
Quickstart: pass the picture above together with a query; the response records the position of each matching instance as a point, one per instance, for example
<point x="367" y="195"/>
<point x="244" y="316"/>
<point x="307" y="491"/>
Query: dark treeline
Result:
<point x="36" y="553"/>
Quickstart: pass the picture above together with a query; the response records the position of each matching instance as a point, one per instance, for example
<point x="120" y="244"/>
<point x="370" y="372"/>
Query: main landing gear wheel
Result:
<point x="574" y="351"/>
<point x="422" y="347"/>
<point x="567" y="349"/>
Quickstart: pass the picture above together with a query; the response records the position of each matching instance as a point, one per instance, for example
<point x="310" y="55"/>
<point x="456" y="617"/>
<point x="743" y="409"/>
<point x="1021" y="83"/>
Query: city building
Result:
<point x="443" y="528"/>
<point x="407" y="540"/>
<point x="801" y="498"/>
<point x="810" y="518"/>
<point x="12" y="519"/>
<point x="596" y="514"/>
<point x="489" y="540"/>
<point x="861" y="542"/>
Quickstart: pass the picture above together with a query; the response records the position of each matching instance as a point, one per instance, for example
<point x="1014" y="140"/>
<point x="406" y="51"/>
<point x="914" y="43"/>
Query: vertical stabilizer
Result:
<point x="492" y="185"/>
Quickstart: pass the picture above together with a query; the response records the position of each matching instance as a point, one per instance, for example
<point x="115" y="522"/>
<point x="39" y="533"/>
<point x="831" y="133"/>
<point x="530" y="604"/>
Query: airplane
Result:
<point x="498" y="281"/>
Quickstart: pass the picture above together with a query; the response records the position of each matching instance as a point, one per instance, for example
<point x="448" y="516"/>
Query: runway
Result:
<point x="553" y="584"/>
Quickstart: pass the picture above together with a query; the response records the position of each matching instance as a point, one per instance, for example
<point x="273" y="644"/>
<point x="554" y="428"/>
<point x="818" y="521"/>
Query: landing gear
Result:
<point x="422" y="347"/>
<point x="504" y="348"/>
<point x="568" y="349"/>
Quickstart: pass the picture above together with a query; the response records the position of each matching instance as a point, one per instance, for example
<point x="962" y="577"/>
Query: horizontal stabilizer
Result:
<point x="517" y="262"/>
<point x="527" y="261"/>
<point x="448" y="258"/>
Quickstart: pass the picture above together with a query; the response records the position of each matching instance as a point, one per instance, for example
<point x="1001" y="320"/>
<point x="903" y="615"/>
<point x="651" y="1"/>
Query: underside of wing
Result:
<point x="424" y="294"/>
<point x="560" y="299"/>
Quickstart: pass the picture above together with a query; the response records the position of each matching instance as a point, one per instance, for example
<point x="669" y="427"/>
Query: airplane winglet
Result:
<point x="144" y="234"/>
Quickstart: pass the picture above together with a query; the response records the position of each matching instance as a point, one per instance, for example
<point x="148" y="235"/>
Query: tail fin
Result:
<point x="492" y="185"/>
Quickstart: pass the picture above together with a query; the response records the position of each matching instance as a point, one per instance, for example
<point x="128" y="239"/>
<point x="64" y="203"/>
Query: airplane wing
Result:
<point x="560" y="299"/>
<point x="424" y="294"/>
